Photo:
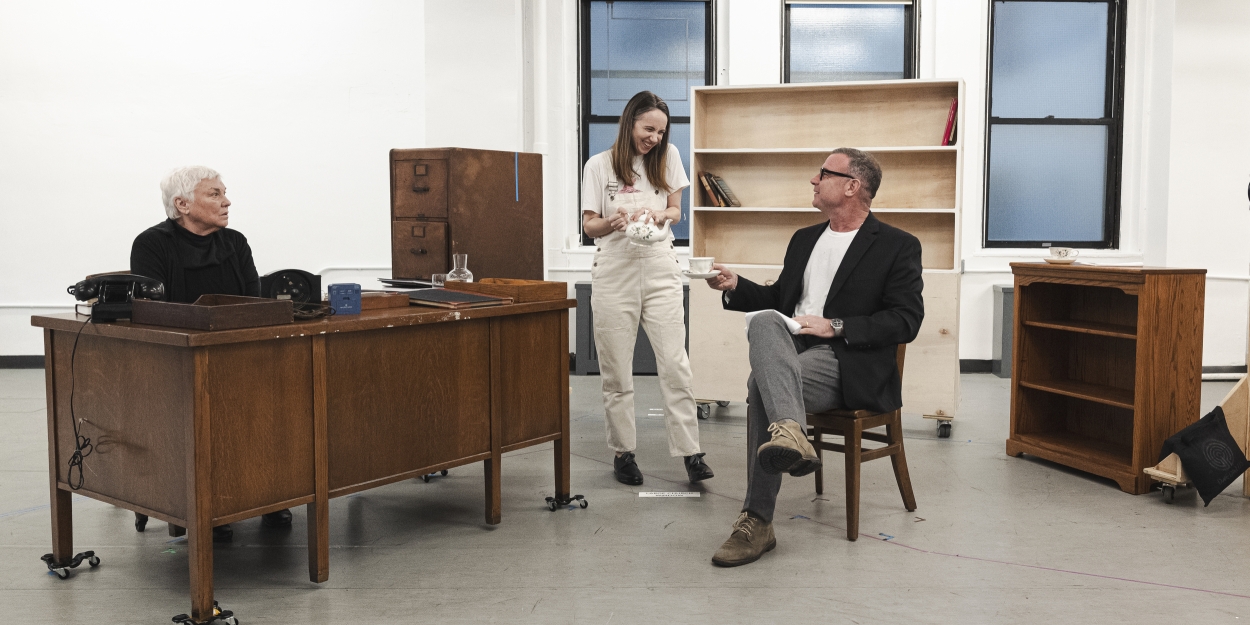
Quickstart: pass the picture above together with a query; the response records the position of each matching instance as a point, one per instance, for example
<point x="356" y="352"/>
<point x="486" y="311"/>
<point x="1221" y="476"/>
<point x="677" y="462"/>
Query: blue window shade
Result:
<point x="1050" y="58"/>
<point x="1046" y="183"/>
<point x="646" y="46"/>
<point x="847" y="42"/>
<point x="602" y="136"/>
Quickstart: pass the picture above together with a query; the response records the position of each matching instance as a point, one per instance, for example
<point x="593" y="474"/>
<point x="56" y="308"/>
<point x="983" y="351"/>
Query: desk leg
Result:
<point x="319" y="509"/>
<point x="200" y="540"/>
<point x="62" y="524"/>
<point x="62" y="512"/>
<point x="562" y="465"/>
<point x="494" y="506"/>
<point x="494" y="513"/>
<point x="563" y="446"/>
<point x="200" y="495"/>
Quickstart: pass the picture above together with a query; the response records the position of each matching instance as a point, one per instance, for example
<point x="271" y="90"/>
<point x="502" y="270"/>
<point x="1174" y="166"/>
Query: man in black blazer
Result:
<point x="848" y="295"/>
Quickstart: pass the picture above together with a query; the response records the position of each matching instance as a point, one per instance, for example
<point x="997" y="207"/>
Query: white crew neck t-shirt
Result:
<point x="822" y="266"/>
<point x="599" y="171"/>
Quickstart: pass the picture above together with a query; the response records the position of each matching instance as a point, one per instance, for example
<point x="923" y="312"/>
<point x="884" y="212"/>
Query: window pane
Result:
<point x="1047" y="183"/>
<point x="1050" y="58"/>
<point x="601" y="137"/>
<point x="651" y="46"/>
<point x="847" y="42"/>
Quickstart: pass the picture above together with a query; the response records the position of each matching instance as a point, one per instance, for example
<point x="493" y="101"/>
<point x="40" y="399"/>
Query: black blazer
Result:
<point x="876" y="293"/>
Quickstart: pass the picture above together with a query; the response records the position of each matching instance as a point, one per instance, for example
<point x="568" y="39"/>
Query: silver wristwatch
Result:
<point x="836" y="326"/>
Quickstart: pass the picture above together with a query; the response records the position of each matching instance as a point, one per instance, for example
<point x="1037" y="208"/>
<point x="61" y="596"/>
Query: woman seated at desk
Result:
<point x="193" y="253"/>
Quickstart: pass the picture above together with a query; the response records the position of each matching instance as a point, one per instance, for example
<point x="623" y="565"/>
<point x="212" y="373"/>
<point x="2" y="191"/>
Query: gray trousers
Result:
<point x="787" y="382"/>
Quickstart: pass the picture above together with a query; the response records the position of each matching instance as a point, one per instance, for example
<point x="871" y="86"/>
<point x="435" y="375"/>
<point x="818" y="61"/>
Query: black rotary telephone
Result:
<point x="113" y="293"/>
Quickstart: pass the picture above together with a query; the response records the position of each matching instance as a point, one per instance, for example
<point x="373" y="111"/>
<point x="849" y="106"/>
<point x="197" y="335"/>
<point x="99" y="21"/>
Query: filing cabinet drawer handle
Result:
<point x="419" y="171"/>
<point x="418" y="251"/>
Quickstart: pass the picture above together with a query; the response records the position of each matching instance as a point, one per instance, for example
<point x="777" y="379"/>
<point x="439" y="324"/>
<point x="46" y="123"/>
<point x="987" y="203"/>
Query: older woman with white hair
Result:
<point x="193" y="253"/>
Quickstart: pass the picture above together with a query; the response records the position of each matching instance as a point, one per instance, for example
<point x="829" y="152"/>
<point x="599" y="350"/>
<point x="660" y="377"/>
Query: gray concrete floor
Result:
<point x="995" y="540"/>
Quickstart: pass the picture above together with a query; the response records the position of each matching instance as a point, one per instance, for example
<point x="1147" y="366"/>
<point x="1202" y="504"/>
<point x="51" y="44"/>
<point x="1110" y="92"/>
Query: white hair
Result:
<point x="181" y="183"/>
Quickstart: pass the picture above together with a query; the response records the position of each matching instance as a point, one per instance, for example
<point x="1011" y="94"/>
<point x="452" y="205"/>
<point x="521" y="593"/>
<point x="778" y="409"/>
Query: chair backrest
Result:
<point x="902" y="353"/>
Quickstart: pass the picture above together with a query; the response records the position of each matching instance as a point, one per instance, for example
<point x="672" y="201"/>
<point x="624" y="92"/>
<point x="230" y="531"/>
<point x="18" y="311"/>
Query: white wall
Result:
<point x="296" y="103"/>
<point x="1208" y="220"/>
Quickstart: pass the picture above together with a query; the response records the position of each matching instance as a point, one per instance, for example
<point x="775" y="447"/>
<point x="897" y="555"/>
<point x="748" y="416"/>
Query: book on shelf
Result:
<point x="949" y="135"/>
<point x="456" y="300"/>
<point x="726" y="192"/>
<point x="713" y="193"/>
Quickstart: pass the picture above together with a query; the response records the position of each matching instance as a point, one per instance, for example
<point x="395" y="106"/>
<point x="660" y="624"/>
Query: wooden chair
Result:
<point x="852" y="426"/>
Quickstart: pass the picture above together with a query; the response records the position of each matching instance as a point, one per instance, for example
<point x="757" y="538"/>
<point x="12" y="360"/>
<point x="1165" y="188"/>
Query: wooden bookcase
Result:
<point x="766" y="143"/>
<point x="1107" y="364"/>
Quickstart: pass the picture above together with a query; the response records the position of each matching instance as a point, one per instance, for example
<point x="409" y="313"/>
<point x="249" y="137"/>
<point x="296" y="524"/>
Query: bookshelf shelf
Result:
<point x="766" y="143"/>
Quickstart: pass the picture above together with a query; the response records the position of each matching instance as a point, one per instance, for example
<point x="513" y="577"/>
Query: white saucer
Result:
<point x="700" y="276"/>
<point x="1059" y="261"/>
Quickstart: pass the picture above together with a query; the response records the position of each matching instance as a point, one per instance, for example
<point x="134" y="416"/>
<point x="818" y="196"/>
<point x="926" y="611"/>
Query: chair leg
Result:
<point x="820" y="473"/>
<point x="894" y="430"/>
<point x="852" y="443"/>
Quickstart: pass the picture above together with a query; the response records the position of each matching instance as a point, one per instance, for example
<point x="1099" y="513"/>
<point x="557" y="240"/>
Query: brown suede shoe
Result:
<point x="789" y="451"/>
<point x="751" y="538"/>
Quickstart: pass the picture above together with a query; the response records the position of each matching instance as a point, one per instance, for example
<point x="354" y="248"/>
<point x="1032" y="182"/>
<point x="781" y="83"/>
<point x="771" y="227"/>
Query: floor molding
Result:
<point x="21" y="362"/>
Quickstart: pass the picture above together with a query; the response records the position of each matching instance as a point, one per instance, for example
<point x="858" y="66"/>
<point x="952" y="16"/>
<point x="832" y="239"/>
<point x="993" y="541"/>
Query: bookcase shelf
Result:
<point x="1107" y="365"/>
<point x="1088" y="327"/>
<point x="767" y="143"/>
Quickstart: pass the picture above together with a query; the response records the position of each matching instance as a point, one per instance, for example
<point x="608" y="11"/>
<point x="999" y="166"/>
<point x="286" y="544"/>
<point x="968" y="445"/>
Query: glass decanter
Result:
<point x="460" y="273"/>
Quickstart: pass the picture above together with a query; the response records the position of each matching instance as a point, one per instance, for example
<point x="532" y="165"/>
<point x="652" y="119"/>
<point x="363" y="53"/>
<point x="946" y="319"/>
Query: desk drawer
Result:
<point x="418" y="248"/>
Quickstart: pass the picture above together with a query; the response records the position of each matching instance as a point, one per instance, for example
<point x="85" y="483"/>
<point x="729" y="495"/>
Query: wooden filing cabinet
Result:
<point x="484" y="203"/>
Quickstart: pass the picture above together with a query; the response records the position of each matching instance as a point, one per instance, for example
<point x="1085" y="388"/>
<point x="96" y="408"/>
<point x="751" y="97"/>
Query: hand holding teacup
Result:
<point x="723" y="281"/>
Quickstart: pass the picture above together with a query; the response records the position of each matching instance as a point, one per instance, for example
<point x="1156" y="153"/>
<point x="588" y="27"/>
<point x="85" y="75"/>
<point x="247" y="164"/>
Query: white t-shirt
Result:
<point x="822" y="266"/>
<point x="599" y="171"/>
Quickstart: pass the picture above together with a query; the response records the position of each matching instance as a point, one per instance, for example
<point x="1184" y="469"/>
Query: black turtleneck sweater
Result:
<point x="191" y="265"/>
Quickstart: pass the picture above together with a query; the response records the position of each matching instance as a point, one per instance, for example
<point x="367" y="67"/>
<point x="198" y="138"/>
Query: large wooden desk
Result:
<point x="204" y="428"/>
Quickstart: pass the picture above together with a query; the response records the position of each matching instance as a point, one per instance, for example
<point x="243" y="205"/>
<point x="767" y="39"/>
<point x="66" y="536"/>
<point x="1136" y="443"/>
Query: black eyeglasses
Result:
<point x="825" y="172"/>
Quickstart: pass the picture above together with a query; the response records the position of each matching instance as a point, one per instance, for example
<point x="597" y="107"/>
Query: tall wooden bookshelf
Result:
<point x="766" y="143"/>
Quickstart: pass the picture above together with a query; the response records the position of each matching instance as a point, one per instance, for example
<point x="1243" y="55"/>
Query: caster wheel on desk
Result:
<point x="443" y="473"/>
<point x="61" y="573"/>
<point x="93" y="561"/>
<point x="722" y="403"/>
<point x="705" y="411"/>
<point x="551" y="505"/>
<point x="585" y="504"/>
<point x="1169" y="492"/>
<point x="944" y="429"/>
<point x="425" y="478"/>
<point x="141" y="522"/>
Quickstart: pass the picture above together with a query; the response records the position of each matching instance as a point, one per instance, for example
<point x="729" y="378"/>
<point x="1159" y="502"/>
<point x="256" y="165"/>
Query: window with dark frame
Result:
<point x="1054" y="131"/>
<point x="628" y="46"/>
<point x="831" y="41"/>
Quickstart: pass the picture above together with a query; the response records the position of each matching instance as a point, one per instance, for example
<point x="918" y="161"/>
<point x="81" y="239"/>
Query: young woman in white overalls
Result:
<point x="641" y="176"/>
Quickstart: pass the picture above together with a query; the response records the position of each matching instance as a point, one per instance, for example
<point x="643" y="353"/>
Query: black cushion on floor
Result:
<point x="1209" y="454"/>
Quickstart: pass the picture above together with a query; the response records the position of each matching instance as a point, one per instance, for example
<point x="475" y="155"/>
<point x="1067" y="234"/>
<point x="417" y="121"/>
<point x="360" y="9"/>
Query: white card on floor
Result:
<point x="671" y="494"/>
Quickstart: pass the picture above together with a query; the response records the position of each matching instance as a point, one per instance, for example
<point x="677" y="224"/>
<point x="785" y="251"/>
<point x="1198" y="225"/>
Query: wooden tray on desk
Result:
<point x="214" y="312"/>
<point x="521" y="291"/>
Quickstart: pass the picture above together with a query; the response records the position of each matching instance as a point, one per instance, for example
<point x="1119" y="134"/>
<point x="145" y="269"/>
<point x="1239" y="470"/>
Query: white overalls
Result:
<point x="635" y="283"/>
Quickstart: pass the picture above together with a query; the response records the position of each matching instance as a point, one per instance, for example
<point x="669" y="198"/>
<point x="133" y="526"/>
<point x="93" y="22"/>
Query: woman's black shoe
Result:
<point x="626" y="469"/>
<point x="697" y="469"/>
<point x="281" y="518"/>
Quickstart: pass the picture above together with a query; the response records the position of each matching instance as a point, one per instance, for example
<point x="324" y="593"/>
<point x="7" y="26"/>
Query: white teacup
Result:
<point x="1064" y="253"/>
<point x="701" y="264"/>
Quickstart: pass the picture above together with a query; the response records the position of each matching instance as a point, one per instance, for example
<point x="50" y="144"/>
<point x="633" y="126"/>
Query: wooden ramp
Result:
<point x="1236" y="405"/>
